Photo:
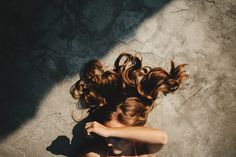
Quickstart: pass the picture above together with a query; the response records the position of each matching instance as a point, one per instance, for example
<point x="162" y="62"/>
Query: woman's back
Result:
<point x="128" y="148"/>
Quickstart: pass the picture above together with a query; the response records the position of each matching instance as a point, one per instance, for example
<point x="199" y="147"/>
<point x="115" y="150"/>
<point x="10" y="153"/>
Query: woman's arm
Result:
<point x="138" y="133"/>
<point x="142" y="134"/>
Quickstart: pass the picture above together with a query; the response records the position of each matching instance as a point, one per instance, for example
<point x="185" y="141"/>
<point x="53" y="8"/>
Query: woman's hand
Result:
<point x="97" y="128"/>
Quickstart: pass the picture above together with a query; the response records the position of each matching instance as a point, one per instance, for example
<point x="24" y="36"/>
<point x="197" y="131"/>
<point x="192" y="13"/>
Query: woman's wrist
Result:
<point x="111" y="132"/>
<point x="117" y="132"/>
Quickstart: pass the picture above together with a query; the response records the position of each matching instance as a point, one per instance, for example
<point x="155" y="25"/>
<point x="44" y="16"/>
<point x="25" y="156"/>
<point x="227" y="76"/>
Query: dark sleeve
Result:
<point x="147" y="148"/>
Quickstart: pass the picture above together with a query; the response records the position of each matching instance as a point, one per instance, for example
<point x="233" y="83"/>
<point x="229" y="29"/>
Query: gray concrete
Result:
<point x="46" y="43"/>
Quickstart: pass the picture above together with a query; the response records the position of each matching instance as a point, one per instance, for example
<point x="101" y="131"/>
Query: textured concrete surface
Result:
<point x="45" y="43"/>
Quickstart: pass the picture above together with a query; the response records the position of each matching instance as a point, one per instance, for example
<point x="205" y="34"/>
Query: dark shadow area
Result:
<point x="43" y="42"/>
<point x="80" y="142"/>
<point x="63" y="146"/>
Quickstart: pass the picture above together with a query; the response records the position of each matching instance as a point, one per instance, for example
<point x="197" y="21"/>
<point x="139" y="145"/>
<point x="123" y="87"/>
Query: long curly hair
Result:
<point x="130" y="86"/>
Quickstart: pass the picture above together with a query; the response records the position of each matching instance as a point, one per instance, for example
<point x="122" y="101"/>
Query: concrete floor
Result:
<point x="45" y="43"/>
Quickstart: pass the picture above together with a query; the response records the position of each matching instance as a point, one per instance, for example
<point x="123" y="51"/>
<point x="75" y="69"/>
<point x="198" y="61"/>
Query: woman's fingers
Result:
<point x="91" y="123"/>
<point x="89" y="127"/>
<point x="88" y="123"/>
<point x="89" y="130"/>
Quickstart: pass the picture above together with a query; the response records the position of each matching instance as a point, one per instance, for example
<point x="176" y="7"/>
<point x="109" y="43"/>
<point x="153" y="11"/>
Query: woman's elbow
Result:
<point x="164" y="138"/>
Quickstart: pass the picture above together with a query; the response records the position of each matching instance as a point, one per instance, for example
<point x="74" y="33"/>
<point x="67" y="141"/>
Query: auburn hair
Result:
<point x="129" y="86"/>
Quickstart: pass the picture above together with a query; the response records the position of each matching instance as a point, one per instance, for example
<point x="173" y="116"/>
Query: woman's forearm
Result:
<point x="139" y="133"/>
<point x="142" y="134"/>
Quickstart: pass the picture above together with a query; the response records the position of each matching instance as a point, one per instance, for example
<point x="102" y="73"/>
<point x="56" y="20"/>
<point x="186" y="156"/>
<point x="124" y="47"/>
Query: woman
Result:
<point x="120" y="101"/>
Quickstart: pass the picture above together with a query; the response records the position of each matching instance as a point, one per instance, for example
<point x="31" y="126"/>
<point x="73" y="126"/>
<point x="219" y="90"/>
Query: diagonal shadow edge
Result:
<point x="30" y="34"/>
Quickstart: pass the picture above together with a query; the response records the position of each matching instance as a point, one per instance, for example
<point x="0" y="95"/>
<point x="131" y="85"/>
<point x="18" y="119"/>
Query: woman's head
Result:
<point x="134" y="111"/>
<point x="130" y="87"/>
